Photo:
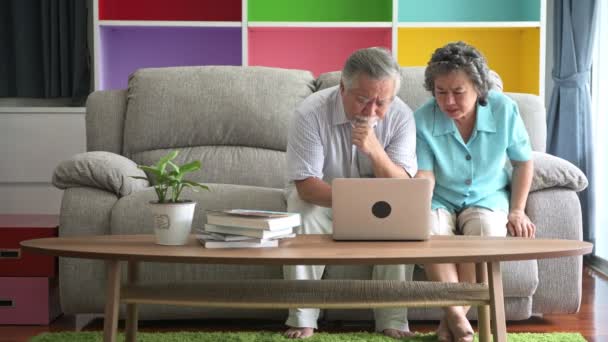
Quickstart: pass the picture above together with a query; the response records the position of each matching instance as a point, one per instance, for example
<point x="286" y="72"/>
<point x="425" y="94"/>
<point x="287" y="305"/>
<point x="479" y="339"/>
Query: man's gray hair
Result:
<point x="459" y="56"/>
<point x="375" y="62"/>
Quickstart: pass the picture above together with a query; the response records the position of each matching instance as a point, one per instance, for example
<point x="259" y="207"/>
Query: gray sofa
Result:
<point x="234" y="119"/>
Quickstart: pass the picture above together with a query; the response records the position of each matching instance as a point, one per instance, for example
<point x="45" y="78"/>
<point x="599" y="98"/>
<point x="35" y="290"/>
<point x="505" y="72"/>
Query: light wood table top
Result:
<point x="312" y="249"/>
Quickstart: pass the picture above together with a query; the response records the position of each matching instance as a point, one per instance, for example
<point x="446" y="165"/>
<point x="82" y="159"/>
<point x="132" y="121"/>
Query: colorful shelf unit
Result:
<point x="509" y="33"/>
<point x="157" y="33"/>
<point x="127" y="48"/>
<point x="174" y="10"/>
<point x="315" y="35"/>
<point x="317" y="49"/>
<point x="446" y="11"/>
<point x="320" y="11"/>
<point x="513" y="52"/>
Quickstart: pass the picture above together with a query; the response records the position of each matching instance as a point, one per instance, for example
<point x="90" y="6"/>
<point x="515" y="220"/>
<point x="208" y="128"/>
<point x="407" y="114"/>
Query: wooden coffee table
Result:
<point x="486" y="252"/>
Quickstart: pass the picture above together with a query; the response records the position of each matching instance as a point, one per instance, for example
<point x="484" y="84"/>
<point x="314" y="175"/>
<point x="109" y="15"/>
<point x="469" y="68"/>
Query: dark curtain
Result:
<point x="569" y="131"/>
<point x="43" y="49"/>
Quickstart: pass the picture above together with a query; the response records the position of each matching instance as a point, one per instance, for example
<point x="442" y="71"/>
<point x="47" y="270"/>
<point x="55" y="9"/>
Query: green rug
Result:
<point x="275" y="337"/>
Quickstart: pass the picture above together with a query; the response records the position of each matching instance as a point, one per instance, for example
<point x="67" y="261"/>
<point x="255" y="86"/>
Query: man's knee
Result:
<point x="315" y="219"/>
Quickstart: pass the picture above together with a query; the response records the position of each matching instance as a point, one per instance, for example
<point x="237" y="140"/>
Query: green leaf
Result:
<point x="172" y="180"/>
<point x="170" y="156"/>
<point x="195" y="184"/>
<point x="162" y="163"/>
<point x="192" y="166"/>
<point x="174" y="166"/>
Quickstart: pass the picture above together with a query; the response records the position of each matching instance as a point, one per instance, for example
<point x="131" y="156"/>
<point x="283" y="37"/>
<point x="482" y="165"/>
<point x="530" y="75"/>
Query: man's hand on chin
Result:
<point x="364" y="137"/>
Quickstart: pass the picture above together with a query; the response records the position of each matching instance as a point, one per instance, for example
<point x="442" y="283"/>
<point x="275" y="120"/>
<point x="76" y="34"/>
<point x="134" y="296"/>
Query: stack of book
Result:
<point x="235" y="228"/>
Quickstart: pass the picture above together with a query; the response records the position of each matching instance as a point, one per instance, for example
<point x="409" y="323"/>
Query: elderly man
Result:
<point x="357" y="129"/>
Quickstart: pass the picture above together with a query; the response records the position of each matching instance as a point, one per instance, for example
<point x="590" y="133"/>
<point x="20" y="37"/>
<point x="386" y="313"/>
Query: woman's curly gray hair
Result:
<point x="459" y="56"/>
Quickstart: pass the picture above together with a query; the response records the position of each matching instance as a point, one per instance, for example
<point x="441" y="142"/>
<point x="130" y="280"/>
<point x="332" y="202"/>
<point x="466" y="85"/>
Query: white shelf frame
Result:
<point x="244" y="33"/>
<point x="97" y="71"/>
<point x="394" y="29"/>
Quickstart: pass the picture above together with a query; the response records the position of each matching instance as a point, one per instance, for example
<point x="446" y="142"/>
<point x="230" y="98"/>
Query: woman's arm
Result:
<point x="519" y="224"/>
<point x="428" y="175"/>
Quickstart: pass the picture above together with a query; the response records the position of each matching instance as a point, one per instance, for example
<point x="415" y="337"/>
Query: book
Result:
<point x="247" y="219"/>
<point x="210" y="236"/>
<point x="256" y="233"/>
<point x="240" y="244"/>
<point x="252" y="212"/>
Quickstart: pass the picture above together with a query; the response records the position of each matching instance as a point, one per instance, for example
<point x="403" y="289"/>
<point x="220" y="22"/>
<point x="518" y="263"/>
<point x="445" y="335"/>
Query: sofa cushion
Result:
<point x="212" y="105"/>
<point x="101" y="170"/>
<point x="551" y="171"/>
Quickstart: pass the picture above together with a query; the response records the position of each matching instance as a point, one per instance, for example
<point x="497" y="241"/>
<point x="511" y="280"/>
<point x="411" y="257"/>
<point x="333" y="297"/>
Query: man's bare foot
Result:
<point x="299" y="332"/>
<point x="443" y="332"/>
<point x="395" y="333"/>
<point x="461" y="329"/>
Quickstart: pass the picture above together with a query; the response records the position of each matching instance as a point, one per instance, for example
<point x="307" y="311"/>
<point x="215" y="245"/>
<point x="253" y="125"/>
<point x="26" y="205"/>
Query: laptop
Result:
<point x="381" y="209"/>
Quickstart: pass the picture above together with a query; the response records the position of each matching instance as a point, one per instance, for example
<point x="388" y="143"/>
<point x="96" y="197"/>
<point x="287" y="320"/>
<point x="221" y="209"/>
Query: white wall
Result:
<point x="35" y="136"/>
<point x="33" y="141"/>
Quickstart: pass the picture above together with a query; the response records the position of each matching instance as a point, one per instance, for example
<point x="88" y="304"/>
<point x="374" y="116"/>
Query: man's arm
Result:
<point x="315" y="191"/>
<point x="305" y="159"/>
<point x="383" y="165"/>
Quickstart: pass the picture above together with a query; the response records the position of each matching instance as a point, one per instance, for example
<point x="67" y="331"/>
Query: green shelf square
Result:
<point x="320" y="10"/>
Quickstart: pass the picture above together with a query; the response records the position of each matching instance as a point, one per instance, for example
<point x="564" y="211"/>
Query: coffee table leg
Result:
<point x="483" y="311"/>
<point x="110" y="320"/>
<point x="497" y="303"/>
<point x="131" y="323"/>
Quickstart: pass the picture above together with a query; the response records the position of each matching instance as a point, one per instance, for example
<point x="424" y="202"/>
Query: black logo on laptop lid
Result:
<point x="381" y="209"/>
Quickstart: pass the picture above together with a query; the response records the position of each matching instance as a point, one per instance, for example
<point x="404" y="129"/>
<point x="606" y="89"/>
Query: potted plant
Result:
<point x="172" y="216"/>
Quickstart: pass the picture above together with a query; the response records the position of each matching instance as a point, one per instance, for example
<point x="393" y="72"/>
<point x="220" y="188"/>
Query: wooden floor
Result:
<point x="591" y="321"/>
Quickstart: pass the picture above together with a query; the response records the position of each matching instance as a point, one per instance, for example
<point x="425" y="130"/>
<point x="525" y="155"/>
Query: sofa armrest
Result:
<point x="102" y="170"/>
<point x="557" y="215"/>
<point x="554" y="172"/>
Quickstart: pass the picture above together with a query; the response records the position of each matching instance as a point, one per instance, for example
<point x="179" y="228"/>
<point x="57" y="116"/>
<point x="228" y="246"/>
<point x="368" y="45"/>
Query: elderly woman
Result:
<point x="465" y="134"/>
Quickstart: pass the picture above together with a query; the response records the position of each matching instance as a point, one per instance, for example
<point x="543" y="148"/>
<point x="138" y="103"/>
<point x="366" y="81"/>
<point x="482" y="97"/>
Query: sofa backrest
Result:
<point x="413" y="93"/>
<point x="233" y="119"/>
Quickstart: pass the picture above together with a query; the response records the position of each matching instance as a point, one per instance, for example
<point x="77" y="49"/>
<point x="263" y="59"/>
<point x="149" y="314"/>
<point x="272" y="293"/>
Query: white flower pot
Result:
<point x="172" y="222"/>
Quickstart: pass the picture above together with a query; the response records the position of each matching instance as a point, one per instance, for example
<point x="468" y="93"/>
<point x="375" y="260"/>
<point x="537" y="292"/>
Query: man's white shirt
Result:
<point x="320" y="141"/>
